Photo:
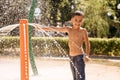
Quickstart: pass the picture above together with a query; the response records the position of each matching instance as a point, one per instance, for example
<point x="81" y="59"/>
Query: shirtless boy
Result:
<point x="77" y="35"/>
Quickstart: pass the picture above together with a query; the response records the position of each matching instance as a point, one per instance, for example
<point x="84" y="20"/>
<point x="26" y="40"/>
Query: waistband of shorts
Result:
<point x="81" y="56"/>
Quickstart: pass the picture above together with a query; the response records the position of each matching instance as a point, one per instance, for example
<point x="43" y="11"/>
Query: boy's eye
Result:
<point x="78" y="20"/>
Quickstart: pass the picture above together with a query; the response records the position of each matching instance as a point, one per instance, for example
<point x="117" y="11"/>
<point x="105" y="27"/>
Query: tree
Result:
<point x="57" y="9"/>
<point x="60" y="10"/>
<point x="95" y="18"/>
<point x="113" y="20"/>
<point x="11" y="11"/>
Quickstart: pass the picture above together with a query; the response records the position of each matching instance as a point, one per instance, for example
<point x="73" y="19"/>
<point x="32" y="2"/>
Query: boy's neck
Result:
<point x="76" y="28"/>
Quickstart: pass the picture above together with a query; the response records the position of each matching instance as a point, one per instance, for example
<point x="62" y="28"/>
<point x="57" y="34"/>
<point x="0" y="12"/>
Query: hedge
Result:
<point x="58" y="46"/>
<point x="110" y="47"/>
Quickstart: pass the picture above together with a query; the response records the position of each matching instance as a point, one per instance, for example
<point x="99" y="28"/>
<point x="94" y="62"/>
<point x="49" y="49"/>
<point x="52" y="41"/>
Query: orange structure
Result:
<point x="24" y="64"/>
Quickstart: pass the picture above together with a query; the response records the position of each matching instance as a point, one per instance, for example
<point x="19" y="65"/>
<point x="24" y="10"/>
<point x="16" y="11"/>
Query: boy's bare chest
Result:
<point x="76" y="35"/>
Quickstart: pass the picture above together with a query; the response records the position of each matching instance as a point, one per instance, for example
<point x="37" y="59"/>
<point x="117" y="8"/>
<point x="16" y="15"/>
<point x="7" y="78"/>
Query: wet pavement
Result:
<point x="56" y="69"/>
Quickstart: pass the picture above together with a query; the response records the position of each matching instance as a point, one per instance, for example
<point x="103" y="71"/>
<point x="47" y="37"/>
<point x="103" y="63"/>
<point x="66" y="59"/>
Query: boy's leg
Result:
<point x="80" y="65"/>
<point x="73" y="69"/>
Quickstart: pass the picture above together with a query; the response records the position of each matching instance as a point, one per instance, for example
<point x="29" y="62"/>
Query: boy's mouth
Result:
<point x="77" y="24"/>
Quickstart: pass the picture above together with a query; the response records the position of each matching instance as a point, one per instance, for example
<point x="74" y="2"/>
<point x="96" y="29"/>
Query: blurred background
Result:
<point x="102" y="17"/>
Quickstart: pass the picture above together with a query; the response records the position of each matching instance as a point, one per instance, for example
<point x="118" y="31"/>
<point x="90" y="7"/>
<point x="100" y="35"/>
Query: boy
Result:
<point x="77" y="35"/>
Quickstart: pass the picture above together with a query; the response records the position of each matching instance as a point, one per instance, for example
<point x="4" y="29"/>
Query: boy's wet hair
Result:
<point x="78" y="13"/>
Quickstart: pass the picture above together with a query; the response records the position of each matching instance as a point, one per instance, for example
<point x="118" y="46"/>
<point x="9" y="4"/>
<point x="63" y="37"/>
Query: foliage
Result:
<point x="105" y="46"/>
<point x="96" y="19"/>
<point x="114" y="20"/>
<point x="58" y="10"/>
<point x="61" y="10"/>
<point x="50" y="47"/>
<point x="97" y="22"/>
<point x="11" y="11"/>
<point x="45" y="46"/>
<point x="9" y="46"/>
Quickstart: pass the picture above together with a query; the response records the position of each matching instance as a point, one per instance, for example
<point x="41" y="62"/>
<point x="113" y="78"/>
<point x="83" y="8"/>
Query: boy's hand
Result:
<point x="86" y="58"/>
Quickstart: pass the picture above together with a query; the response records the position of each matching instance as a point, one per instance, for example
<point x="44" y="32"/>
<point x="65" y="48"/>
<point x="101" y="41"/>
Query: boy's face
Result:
<point x="77" y="21"/>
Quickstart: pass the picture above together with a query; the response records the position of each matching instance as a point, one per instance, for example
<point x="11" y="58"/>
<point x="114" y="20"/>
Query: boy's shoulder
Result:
<point x="83" y="30"/>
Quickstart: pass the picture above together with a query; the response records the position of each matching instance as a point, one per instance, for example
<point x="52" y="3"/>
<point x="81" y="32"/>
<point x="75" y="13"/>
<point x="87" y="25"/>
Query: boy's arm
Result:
<point x="52" y="28"/>
<point x="87" y="43"/>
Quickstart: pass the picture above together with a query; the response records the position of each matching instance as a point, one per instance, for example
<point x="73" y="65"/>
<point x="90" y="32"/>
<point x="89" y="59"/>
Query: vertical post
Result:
<point x="24" y="65"/>
<point x="31" y="55"/>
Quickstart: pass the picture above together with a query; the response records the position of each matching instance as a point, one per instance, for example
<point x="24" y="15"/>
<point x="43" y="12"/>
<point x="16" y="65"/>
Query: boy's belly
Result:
<point x="75" y="48"/>
<point x="75" y="51"/>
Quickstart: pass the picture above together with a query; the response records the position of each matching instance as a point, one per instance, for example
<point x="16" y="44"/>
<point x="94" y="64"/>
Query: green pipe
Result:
<point x="31" y="55"/>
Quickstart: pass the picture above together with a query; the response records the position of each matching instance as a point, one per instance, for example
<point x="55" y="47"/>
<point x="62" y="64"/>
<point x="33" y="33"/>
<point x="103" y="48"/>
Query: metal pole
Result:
<point x="30" y="19"/>
<point x="24" y="64"/>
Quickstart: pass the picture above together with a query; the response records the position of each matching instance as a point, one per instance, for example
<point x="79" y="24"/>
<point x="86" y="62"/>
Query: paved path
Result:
<point x="52" y="69"/>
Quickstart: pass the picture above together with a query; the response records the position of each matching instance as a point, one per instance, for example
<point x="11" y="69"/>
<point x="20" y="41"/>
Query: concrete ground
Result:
<point x="56" y="69"/>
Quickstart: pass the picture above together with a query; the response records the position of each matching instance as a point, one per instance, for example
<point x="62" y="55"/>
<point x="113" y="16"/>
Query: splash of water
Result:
<point x="61" y="49"/>
<point x="6" y="30"/>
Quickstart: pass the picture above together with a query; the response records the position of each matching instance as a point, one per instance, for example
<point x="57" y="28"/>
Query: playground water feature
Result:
<point x="60" y="49"/>
<point x="6" y="30"/>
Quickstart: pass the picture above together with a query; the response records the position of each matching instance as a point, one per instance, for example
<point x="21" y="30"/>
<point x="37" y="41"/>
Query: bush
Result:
<point x="110" y="47"/>
<point x="9" y="46"/>
<point x="46" y="46"/>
